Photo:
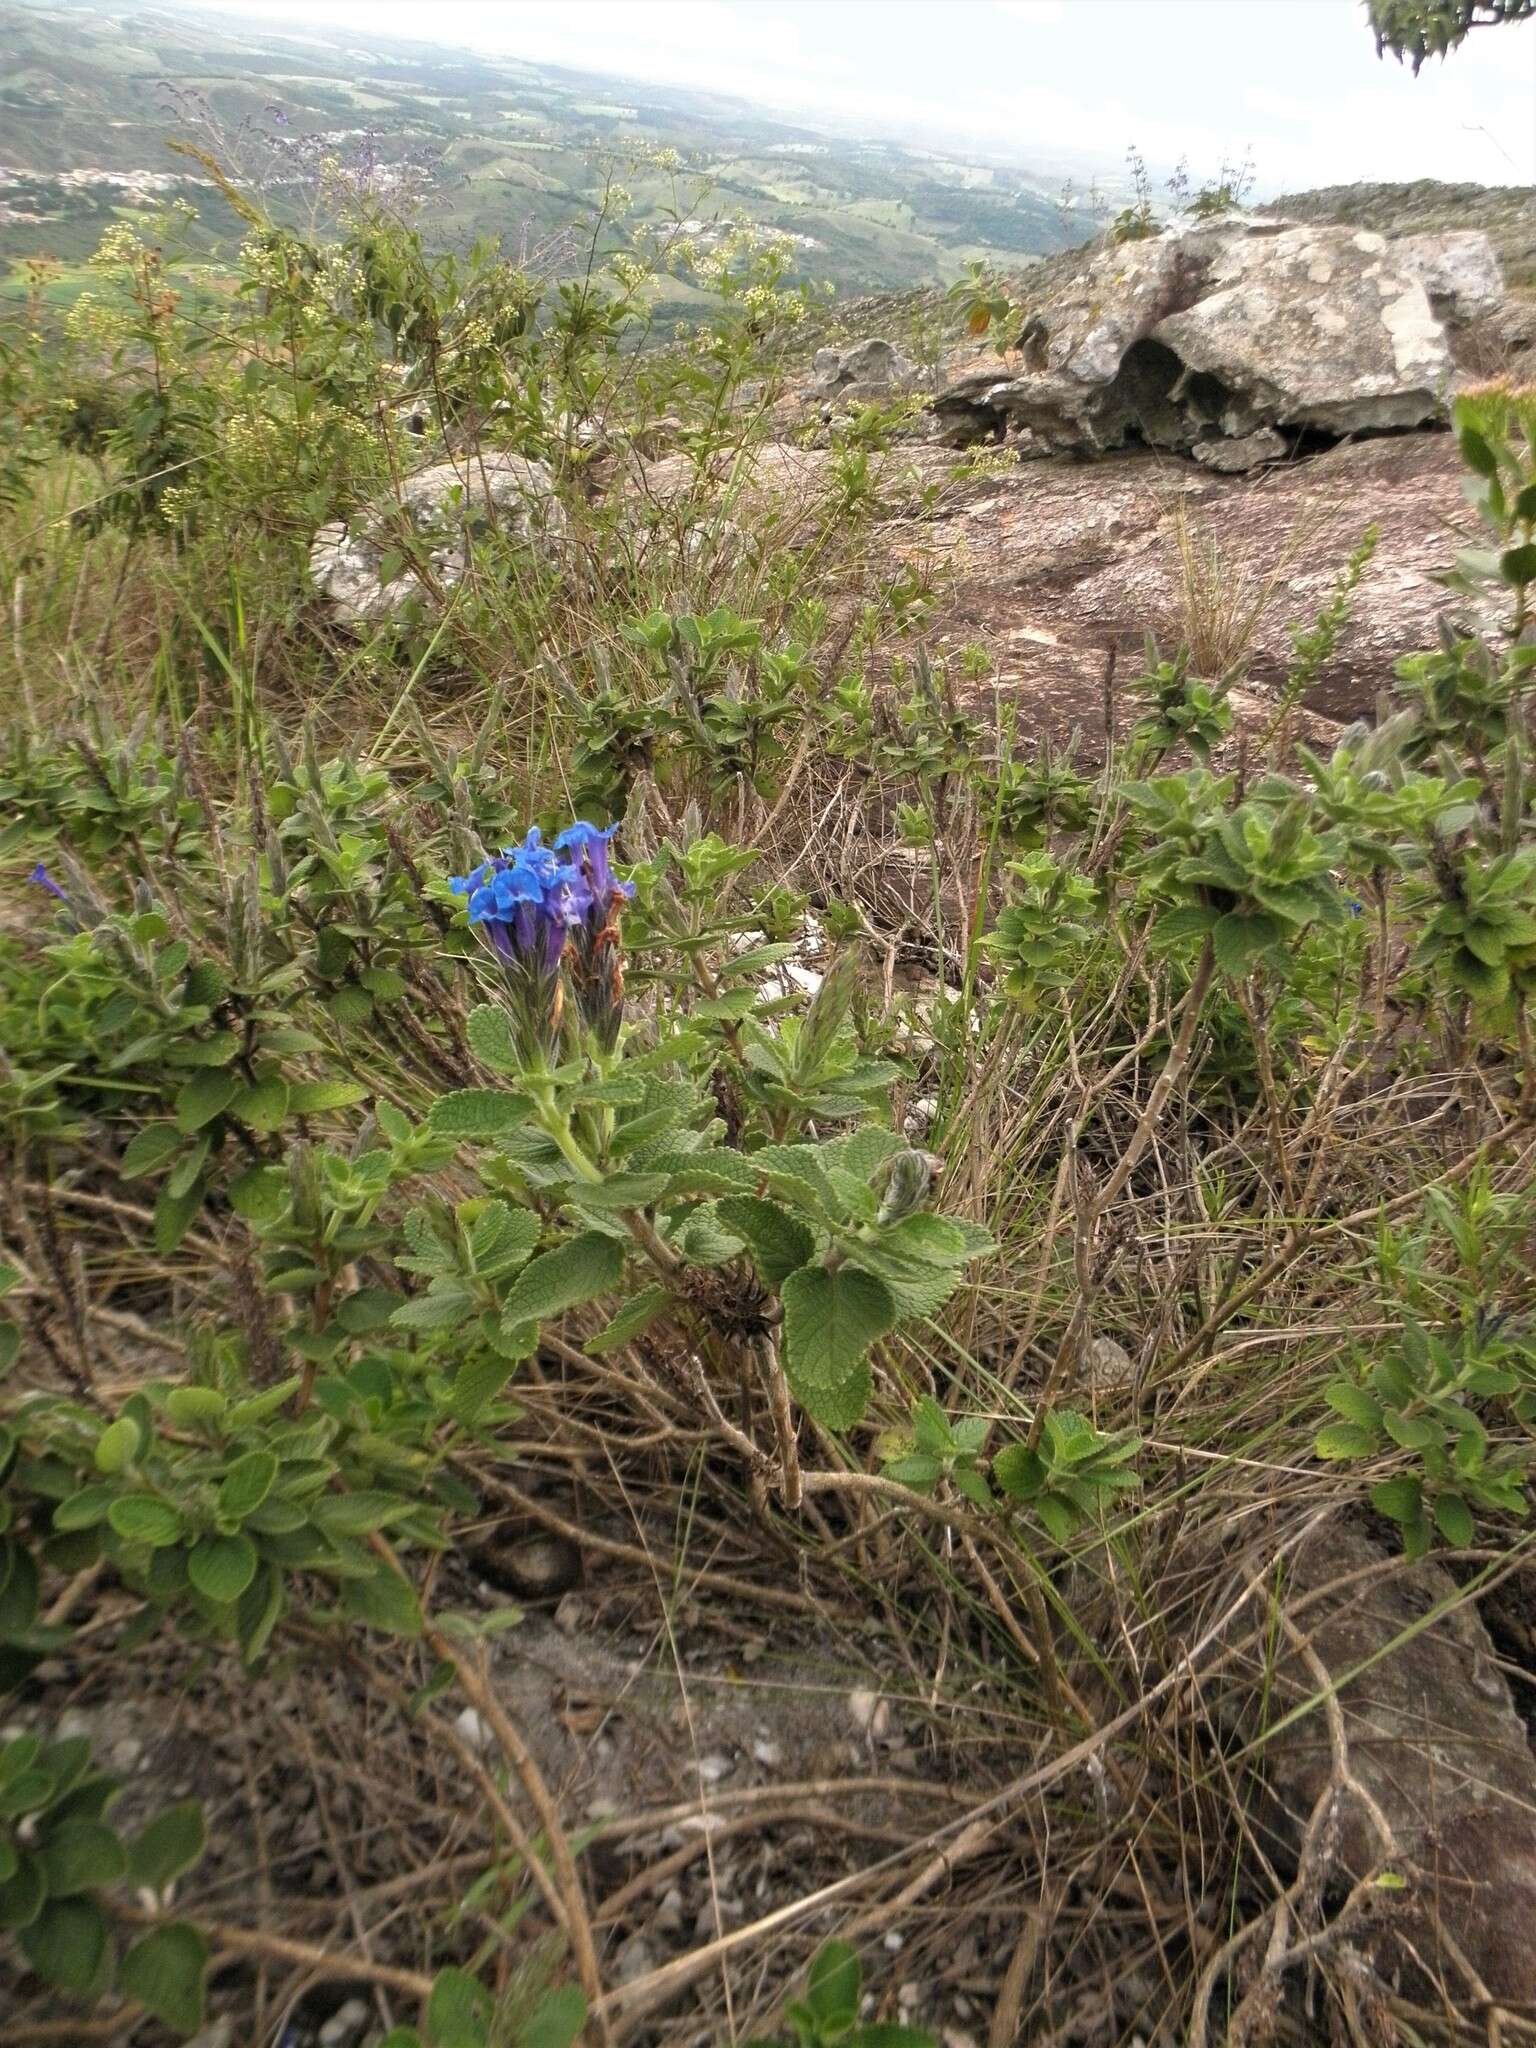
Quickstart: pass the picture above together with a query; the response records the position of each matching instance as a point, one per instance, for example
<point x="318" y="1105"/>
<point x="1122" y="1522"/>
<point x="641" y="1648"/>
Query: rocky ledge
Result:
<point x="1237" y="342"/>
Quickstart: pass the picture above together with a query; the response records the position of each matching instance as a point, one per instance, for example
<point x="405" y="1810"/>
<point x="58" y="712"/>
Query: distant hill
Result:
<point x="90" y="96"/>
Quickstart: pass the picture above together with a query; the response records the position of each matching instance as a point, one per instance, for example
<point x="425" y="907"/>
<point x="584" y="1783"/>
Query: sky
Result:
<point x="1297" y="82"/>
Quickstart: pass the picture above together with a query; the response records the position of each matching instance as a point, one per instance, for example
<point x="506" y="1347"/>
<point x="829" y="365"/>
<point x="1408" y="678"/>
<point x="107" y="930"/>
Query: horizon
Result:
<point x="1328" y="110"/>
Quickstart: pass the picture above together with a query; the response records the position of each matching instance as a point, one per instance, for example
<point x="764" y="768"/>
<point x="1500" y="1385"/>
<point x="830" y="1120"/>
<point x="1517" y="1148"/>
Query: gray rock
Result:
<point x="870" y="369"/>
<point x="1458" y="269"/>
<point x="1241" y="452"/>
<point x="345" y="2025"/>
<point x="442" y="508"/>
<point x="1229" y="330"/>
<point x="1434" y="1740"/>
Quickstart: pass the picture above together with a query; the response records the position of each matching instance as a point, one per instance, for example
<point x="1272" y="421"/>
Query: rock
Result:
<point x="218" y="2033"/>
<point x="870" y="369"/>
<point x="1107" y="1366"/>
<point x="1434" y="1739"/>
<point x="1223" y="331"/>
<point x="539" y="1564"/>
<point x="472" y="1731"/>
<point x="1241" y="452"/>
<point x="869" y="1713"/>
<point x="442" y="508"/>
<point x="1458" y="270"/>
<point x="345" y="2025"/>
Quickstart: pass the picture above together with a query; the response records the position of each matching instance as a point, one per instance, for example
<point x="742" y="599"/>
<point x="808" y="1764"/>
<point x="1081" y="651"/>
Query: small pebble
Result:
<point x="345" y="2024"/>
<point x="895" y="1941"/>
<point x="570" y="1614"/>
<point x="870" y="1713"/>
<point x="668" y="1916"/>
<point x="634" y="1960"/>
<point x="472" y="1731"/>
<point x="713" y="1768"/>
<point x="768" y="1754"/>
<point x="218" y="2034"/>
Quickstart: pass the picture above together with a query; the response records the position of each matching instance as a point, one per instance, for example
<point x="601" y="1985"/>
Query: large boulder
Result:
<point x="440" y="510"/>
<point x="1236" y="331"/>
<point x="871" y="369"/>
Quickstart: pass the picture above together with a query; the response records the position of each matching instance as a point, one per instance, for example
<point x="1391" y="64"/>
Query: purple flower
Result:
<point x="541" y="908"/>
<point x="44" y="880"/>
<point x="596" y="955"/>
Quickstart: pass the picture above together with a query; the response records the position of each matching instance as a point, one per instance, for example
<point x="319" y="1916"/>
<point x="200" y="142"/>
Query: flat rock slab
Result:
<point x="1051" y="564"/>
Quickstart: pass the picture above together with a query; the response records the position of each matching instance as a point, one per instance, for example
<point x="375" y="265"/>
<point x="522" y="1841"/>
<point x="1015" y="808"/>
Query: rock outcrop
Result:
<point x="871" y="369"/>
<point x="1237" y="332"/>
<point x="439" y="510"/>
<point x="1429" y="1761"/>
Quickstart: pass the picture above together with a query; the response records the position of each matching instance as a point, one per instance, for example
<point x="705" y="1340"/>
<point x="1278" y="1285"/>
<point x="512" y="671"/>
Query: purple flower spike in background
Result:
<point x="597" y="958"/>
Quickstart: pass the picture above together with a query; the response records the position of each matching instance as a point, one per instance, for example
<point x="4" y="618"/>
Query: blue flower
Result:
<point x="537" y="908"/>
<point x="44" y="880"/>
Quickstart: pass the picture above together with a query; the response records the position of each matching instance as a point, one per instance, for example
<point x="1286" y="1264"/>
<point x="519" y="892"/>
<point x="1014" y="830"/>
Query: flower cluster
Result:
<point x="547" y="911"/>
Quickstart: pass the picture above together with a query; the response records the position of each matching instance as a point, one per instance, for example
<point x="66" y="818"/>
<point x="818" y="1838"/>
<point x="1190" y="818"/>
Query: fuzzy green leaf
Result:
<point x="830" y="1321"/>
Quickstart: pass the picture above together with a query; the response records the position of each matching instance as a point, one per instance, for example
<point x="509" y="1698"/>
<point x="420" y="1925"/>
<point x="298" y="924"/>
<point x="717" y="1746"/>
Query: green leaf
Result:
<point x="191" y="1407"/>
<point x="490" y="1039"/>
<point x="67" y="1944"/>
<point x="117" y="1446"/>
<point x="23" y="1893"/>
<point x="85" y="1509"/>
<point x="1412" y="1432"/>
<point x="246" y="1485"/>
<point x="1344" y="1440"/>
<point x="141" y="1518"/>
<point x="383" y="1601"/>
<point x="1353" y="1403"/>
<point x="1453" y="1518"/>
<point x="564" y="1278"/>
<point x="1019" y="1471"/>
<point x="917" y="1470"/>
<point x="458" y="2011"/>
<point x="79" y="1855"/>
<point x="148" y="1149"/>
<point x="1399" y="1498"/>
<point x="833" y="1984"/>
<point x="830" y="1321"/>
<point x="478" y="1113"/>
<point x="358" y="1514"/>
<point x="221" y="1567"/>
<point x="476" y="1385"/>
<point x="840" y="1406"/>
<point x="260" y="1194"/>
<point x="635" y="1316"/>
<point x="778" y="1241"/>
<point x="1241" y="939"/>
<point x="164" y="1972"/>
<point x="314" y="1098"/>
<point x="173" y="1215"/>
<point x="1518" y="565"/>
<point x="1476" y="453"/>
<point x="556" y="2020"/>
<point x="263" y="1105"/>
<point x="202" y="1098"/>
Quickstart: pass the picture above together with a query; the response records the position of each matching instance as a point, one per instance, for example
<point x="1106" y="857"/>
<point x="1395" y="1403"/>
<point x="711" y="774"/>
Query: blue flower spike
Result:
<point x="538" y="908"/>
